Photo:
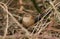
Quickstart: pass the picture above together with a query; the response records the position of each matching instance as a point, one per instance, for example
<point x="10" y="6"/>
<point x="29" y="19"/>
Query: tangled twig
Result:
<point x="15" y="19"/>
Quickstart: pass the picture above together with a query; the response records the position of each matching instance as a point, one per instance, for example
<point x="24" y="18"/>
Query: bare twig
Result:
<point x="57" y="13"/>
<point x="43" y="28"/>
<point x="21" y="8"/>
<point x="9" y="2"/>
<point x="27" y="33"/>
<point x="6" y="27"/>
<point x="42" y="25"/>
<point x="54" y="1"/>
<point x="41" y="20"/>
<point x="57" y="4"/>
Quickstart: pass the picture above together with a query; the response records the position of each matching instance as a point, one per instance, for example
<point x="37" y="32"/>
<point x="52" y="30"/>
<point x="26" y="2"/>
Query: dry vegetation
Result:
<point x="29" y="19"/>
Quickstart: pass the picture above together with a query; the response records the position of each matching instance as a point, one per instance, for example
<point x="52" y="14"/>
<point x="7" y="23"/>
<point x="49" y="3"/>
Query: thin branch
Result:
<point x="9" y="2"/>
<point x="57" y="13"/>
<point x="54" y="1"/>
<point x="44" y="23"/>
<point x="6" y="27"/>
<point x="41" y="20"/>
<point x="57" y="4"/>
<point x="27" y="33"/>
<point x="21" y="8"/>
<point x="43" y="27"/>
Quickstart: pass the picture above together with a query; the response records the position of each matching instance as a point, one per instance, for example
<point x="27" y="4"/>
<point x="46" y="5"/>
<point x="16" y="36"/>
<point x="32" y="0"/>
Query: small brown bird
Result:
<point x="28" y="20"/>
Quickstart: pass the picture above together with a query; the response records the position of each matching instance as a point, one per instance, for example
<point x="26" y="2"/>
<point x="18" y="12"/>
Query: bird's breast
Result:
<point x="28" y="21"/>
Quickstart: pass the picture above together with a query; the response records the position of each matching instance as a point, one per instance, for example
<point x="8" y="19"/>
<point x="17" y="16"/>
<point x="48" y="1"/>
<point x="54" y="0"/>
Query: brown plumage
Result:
<point x="28" y="20"/>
